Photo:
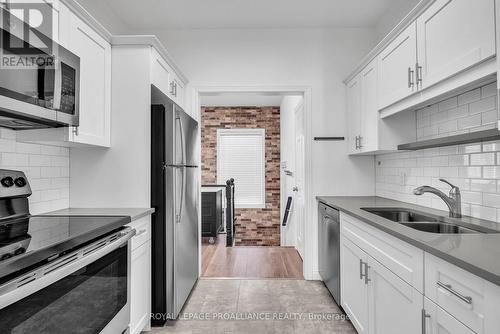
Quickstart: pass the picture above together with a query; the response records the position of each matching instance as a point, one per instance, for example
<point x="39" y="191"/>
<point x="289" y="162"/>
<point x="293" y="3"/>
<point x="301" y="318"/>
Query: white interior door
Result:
<point x="299" y="206"/>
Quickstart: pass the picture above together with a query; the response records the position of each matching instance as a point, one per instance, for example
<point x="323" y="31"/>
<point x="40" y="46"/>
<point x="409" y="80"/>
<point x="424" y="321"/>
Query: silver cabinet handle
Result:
<point x="449" y="288"/>
<point x="360" y="141"/>
<point x="418" y="72"/>
<point x="364" y="274"/>
<point x="172" y="88"/>
<point x="357" y="143"/>
<point x="425" y="316"/>
<point x="367" y="279"/>
<point x="411" y="83"/>
<point x="361" y="269"/>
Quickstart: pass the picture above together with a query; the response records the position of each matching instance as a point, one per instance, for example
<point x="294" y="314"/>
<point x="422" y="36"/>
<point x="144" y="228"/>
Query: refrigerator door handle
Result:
<point x="183" y="147"/>
<point x="181" y="200"/>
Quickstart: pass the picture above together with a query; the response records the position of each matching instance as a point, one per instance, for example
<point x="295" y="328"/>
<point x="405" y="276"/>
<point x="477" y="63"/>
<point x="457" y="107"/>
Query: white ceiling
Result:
<point x="241" y="100"/>
<point x="206" y="14"/>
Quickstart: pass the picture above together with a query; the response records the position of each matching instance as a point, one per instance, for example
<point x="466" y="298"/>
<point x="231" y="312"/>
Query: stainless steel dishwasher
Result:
<point x="329" y="249"/>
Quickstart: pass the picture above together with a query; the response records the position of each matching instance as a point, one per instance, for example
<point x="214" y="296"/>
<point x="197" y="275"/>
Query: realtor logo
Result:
<point x="26" y="40"/>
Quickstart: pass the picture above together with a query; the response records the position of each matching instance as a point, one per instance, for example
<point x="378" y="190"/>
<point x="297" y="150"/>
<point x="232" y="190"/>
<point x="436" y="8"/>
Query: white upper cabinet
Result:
<point x="442" y="47"/>
<point x="354" y="113"/>
<point x="95" y="84"/>
<point x="453" y="36"/>
<point x="396" y="64"/>
<point x="369" y="113"/>
<point x="367" y="133"/>
<point x="166" y="80"/>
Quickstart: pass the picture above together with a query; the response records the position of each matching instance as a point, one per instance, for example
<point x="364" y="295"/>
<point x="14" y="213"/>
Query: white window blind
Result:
<point x="241" y="156"/>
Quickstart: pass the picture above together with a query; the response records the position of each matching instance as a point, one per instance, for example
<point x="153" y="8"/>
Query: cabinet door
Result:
<point x="161" y="73"/>
<point x="178" y="92"/>
<point x="438" y="321"/>
<point x="140" y="288"/>
<point x="395" y="306"/>
<point x="354" y="113"/>
<point x="454" y="35"/>
<point x="354" y="289"/>
<point x="396" y="66"/>
<point x="369" y="110"/>
<point x="95" y="84"/>
<point x="321" y="241"/>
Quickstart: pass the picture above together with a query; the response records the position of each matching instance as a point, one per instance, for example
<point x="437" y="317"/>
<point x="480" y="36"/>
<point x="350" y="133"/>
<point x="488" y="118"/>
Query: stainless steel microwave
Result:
<point x="40" y="94"/>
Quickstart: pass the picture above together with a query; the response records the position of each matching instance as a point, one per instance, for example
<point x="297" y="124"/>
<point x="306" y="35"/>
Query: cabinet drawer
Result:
<point x="403" y="259"/>
<point x="143" y="231"/>
<point x="459" y="292"/>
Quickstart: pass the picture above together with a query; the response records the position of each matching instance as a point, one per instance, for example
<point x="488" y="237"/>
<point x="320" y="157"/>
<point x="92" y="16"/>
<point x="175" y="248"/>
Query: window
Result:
<point x="241" y="156"/>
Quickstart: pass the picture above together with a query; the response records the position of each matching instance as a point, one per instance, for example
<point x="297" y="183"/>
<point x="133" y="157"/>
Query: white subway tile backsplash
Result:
<point x="482" y="185"/>
<point x="491" y="172"/>
<point x="489" y="90"/>
<point x="448" y="104"/>
<point x="486" y="104"/>
<point x="46" y="167"/>
<point x="469" y="122"/>
<point x="492" y="200"/>
<point x="489" y="117"/>
<point x="469" y="97"/>
<point x="481" y="159"/>
<point x="493" y="146"/>
<point x="475" y="168"/>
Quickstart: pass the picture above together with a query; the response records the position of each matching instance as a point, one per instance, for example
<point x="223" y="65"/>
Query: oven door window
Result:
<point x="83" y="302"/>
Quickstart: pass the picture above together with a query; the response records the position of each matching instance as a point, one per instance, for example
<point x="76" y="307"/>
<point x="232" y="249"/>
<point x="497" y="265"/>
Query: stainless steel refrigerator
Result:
<point x="174" y="195"/>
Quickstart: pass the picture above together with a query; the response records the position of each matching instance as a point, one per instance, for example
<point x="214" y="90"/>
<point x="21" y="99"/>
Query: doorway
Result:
<point x="241" y="142"/>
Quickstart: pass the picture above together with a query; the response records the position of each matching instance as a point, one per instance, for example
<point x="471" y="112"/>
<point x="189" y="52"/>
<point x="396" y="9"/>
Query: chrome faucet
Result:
<point x="454" y="201"/>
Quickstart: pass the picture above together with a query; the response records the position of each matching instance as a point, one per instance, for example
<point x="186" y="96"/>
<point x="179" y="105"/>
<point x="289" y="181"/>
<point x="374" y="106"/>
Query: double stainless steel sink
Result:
<point x="425" y="222"/>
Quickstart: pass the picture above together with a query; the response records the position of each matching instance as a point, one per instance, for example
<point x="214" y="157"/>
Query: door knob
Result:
<point x="295" y="189"/>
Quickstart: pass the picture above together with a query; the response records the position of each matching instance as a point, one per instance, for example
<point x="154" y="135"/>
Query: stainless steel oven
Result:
<point x="39" y="87"/>
<point x="84" y="291"/>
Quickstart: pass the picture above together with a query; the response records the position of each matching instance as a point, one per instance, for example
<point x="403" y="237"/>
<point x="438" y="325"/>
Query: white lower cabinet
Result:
<point x="383" y="290"/>
<point x="140" y="281"/>
<point x="354" y="291"/>
<point x="375" y="299"/>
<point x="438" y="321"/>
<point x="140" y="276"/>
<point x="394" y="306"/>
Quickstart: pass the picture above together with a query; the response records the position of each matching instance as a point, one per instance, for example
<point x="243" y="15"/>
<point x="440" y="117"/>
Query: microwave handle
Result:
<point x="52" y="272"/>
<point x="57" y="84"/>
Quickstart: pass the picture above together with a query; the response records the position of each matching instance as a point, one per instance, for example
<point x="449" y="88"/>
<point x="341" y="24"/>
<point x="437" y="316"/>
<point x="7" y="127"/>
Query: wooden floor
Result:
<point x="250" y="261"/>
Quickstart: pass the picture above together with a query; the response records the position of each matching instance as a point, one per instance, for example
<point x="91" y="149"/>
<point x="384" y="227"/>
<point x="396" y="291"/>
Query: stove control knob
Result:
<point x="7" y="181"/>
<point x="20" y="181"/>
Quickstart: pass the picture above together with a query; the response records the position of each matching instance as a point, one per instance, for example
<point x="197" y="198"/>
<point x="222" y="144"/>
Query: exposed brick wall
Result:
<point x="254" y="226"/>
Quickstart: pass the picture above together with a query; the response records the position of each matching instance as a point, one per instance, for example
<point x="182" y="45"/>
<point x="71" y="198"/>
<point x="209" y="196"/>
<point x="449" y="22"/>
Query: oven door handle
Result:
<point x="55" y="270"/>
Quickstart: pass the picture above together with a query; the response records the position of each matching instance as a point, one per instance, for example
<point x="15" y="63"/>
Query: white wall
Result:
<point x="46" y="167"/>
<point x="318" y="58"/>
<point x="119" y="176"/>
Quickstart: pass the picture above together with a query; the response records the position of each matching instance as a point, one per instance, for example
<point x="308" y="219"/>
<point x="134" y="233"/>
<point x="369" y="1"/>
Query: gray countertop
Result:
<point x="477" y="253"/>
<point x="133" y="213"/>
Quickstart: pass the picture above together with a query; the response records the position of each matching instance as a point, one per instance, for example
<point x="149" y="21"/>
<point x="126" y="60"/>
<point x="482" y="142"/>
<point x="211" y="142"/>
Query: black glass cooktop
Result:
<point x="27" y="241"/>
